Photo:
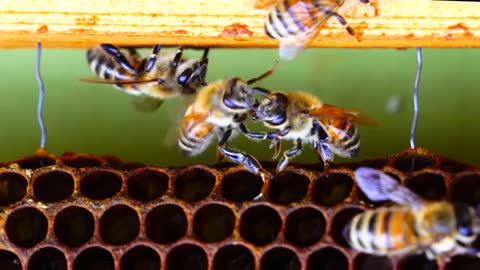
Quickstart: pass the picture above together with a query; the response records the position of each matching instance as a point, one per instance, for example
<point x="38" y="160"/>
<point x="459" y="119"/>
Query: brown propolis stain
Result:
<point x="42" y="29"/>
<point x="236" y="29"/>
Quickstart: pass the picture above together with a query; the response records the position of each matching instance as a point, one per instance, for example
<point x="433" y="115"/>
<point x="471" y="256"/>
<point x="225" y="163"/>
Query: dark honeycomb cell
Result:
<point x="464" y="262"/>
<point x="430" y="186"/>
<point x="186" y="257"/>
<point x="213" y="222"/>
<point x="362" y="197"/>
<point x="147" y="184"/>
<point x="280" y="258"/>
<point x="327" y="259"/>
<point x="241" y="186"/>
<point x="13" y="188"/>
<point x="48" y="258"/>
<point x="74" y="226"/>
<point x="418" y="262"/>
<point x="166" y="223"/>
<point x="100" y="184"/>
<point x="339" y="221"/>
<point x="367" y="262"/>
<point x="288" y="187"/>
<point x="81" y="161"/>
<point x="194" y="184"/>
<point x="53" y="186"/>
<point x="140" y="258"/>
<point x="9" y="261"/>
<point x="119" y="225"/>
<point x="305" y="226"/>
<point x="233" y="257"/>
<point x="409" y="162"/>
<point x="26" y="227"/>
<point x="332" y="189"/>
<point x="453" y="166"/>
<point x="35" y="162"/>
<point x="260" y="225"/>
<point x="94" y="258"/>
<point x="466" y="188"/>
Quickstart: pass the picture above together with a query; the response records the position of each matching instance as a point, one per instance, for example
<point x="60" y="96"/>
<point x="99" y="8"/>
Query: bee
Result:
<point x="218" y="109"/>
<point x="152" y="78"/>
<point x="439" y="228"/>
<point x="295" y="23"/>
<point x="302" y="118"/>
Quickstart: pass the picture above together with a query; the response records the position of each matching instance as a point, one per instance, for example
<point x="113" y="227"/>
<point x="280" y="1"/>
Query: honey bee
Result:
<point x="218" y="109"/>
<point x="152" y="78"/>
<point x="438" y="228"/>
<point x="295" y="23"/>
<point x="302" y="118"/>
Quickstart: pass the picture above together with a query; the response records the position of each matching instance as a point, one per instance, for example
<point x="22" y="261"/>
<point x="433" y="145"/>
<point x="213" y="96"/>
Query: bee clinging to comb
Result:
<point x="152" y="78"/>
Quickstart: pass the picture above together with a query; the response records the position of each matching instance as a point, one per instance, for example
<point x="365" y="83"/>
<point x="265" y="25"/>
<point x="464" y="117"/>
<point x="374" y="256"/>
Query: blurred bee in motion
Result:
<point x="152" y="78"/>
<point x="218" y="109"/>
<point x="439" y="228"/>
<point x="295" y="23"/>
<point x="302" y="118"/>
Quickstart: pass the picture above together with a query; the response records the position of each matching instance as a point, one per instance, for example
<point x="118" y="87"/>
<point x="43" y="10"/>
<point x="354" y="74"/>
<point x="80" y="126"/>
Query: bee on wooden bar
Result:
<point x="295" y="23"/>
<point x="303" y="118"/>
<point x="152" y="78"/>
<point x="438" y="228"/>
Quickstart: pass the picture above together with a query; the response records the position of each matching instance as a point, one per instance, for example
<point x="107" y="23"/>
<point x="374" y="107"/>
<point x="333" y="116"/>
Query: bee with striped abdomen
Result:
<point x="153" y="78"/>
<point x="303" y="118"/>
<point x="438" y="228"/>
<point x="295" y="23"/>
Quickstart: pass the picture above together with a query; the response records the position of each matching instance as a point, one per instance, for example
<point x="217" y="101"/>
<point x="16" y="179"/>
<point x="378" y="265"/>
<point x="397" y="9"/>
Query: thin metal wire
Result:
<point x="415" y="98"/>
<point x="41" y="97"/>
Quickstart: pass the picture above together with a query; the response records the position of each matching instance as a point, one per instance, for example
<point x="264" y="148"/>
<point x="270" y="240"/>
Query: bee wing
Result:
<point x="379" y="186"/>
<point x="329" y="111"/>
<point x="107" y="81"/>
<point x="146" y="103"/>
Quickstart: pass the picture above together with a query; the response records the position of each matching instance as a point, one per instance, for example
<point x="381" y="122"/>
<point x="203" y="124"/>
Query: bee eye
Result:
<point x="183" y="78"/>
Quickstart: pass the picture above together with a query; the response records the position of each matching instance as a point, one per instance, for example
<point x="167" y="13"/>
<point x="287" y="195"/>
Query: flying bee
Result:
<point x="302" y="118"/>
<point x="295" y="23"/>
<point x="218" y="109"/>
<point x="152" y="78"/>
<point x="438" y="228"/>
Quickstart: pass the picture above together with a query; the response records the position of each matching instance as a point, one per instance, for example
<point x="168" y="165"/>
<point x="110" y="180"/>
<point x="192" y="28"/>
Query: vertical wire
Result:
<point x="415" y="98"/>
<point x="41" y="97"/>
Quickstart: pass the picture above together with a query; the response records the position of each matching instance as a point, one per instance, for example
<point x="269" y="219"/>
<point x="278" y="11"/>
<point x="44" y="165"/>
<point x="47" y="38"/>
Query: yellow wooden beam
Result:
<point x="230" y="23"/>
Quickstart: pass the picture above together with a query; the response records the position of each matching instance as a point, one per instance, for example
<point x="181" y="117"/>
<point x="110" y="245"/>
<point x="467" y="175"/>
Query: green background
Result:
<point x="94" y="118"/>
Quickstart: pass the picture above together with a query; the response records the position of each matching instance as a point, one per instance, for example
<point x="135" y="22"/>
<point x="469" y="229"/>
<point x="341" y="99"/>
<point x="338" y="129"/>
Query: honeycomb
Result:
<point x="78" y="211"/>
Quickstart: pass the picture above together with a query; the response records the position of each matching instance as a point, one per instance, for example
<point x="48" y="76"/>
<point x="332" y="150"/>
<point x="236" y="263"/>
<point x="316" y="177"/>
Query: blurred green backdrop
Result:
<point x="94" y="118"/>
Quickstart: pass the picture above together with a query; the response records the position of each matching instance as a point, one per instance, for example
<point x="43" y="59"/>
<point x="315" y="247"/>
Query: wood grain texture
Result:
<point x="230" y="23"/>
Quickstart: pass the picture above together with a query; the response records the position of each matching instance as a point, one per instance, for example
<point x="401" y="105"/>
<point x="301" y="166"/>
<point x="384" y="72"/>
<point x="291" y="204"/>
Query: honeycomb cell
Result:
<point x="328" y="258"/>
<point x="187" y="256"/>
<point x="9" y="261"/>
<point x="213" y="222"/>
<point x="362" y="197"/>
<point x="430" y="186"/>
<point x="339" y="221"/>
<point x="74" y="226"/>
<point x="260" y="225"/>
<point x="13" y="188"/>
<point x="464" y="262"/>
<point x="26" y="227"/>
<point x="453" y="166"/>
<point x="367" y="262"/>
<point x="119" y="225"/>
<point x="94" y="258"/>
<point x="409" y="162"/>
<point x="280" y="258"/>
<point x="47" y="258"/>
<point x="33" y="163"/>
<point x="53" y="186"/>
<point x="233" y="257"/>
<point x="332" y="189"/>
<point x="466" y="188"/>
<point x="166" y="223"/>
<point x="100" y="184"/>
<point x="147" y="184"/>
<point x="288" y="187"/>
<point x="194" y="184"/>
<point x="76" y="161"/>
<point x="305" y="226"/>
<point x="140" y="258"/>
<point x="241" y="186"/>
<point x="417" y="261"/>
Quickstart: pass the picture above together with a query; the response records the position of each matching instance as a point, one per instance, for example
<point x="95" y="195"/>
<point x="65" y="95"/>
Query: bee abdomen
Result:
<point x="105" y="67"/>
<point x="192" y="145"/>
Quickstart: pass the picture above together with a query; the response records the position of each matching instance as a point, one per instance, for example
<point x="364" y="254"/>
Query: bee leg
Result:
<point x="119" y="57"/>
<point x="282" y="164"/>
<point x="248" y="161"/>
<point x="220" y="155"/>
<point x="152" y="59"/>
<point x="176" y="59"/>
<point x="343" y="22"/>
<point x="205" y="54"/>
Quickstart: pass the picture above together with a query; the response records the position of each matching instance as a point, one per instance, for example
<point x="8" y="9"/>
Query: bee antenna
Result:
<point x="265" y="74"/>
<point x="41" y="97"/>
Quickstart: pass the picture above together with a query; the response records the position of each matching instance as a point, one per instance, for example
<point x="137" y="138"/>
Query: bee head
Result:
<point x="238" y="95"/>
<point x="468" y="221"/>
<point x="272" y="109"/>
<point x="192" y="75"/>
